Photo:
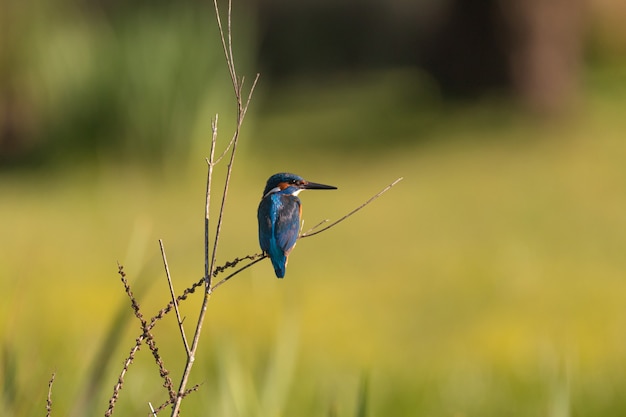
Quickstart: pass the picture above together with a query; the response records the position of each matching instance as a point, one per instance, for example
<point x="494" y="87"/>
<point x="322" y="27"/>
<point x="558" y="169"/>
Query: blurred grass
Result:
<point x="488" y="282"/>
<point x="135" y="81"/>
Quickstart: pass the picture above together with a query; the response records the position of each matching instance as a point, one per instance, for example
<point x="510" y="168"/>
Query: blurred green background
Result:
<point x="490" y="281"/>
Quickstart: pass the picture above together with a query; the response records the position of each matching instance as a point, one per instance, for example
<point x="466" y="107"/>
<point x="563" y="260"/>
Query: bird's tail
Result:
<point x="280" y="265"/>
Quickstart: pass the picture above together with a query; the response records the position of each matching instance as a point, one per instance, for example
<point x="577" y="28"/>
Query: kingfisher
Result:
<point x="279" y="216"/>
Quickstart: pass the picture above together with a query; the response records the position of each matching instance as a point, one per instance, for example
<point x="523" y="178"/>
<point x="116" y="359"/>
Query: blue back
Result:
<point x="279" y="224"/>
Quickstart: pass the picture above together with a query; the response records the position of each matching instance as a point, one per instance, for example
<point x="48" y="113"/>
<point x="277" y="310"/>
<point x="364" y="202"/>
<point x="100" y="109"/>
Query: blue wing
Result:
<point x="279" y="224"/>
<point x="288" y="222"/>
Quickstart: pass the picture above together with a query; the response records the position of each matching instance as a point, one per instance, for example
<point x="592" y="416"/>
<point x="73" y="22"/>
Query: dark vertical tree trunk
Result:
<point x="546" y="51"/>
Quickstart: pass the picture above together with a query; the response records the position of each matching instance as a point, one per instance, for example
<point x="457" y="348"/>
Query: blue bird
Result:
<point x="279" y="216"/>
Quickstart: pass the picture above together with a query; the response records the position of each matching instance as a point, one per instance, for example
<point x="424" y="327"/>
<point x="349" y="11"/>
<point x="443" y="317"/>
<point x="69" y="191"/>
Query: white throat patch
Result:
<point x="272" y="191"/>
<point x="277" y="189"/>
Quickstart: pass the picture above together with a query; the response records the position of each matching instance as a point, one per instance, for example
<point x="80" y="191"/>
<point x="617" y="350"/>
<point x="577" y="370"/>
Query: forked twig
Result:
<point x="146" y="336"/>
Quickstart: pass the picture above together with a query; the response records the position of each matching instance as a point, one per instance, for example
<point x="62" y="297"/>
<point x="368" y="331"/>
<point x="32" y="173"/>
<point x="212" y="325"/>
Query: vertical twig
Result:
<point x="218" y="228"/>
<point x="211" y="163"/>
<point x="228" y="50"/>
<point x="173" y="293"/>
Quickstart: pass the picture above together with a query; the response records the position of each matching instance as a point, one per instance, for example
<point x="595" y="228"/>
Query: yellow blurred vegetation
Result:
<point x="489" y="281"/>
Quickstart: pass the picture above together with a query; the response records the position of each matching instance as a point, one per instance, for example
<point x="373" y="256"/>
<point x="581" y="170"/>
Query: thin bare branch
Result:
<point x="311" y="232"/>
<point x="220" y="216"/>
<point x="245" y="107"/>
<point x="192" y="289"/>
<point x="191" y="357"/>
<point x="133" y="351"/>
<point x="241" y="116"/>
<point x="231" y="59"/>
<point x="120" y="380"/>
<point x="207" y="207"/>
<point x="49" y="400"/>
<point x="173" y="293"/>
<point x="238" y="271"/>
<point x="165" y="404"/>
<point x="314" y="227"/>
<point x="148" y="337"/>
<point x="227" y="45"/>
<point x="219" y="159"/>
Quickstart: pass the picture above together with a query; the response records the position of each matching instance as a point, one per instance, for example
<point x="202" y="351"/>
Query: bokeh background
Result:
<point x="490" y="281"/>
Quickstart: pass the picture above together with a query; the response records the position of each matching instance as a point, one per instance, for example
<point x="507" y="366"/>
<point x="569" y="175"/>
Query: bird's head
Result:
<point x="291" y="184"/>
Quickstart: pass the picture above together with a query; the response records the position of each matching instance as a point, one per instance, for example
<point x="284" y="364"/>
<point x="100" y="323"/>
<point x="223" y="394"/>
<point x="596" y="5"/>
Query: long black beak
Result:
<point x="316" y="186"/>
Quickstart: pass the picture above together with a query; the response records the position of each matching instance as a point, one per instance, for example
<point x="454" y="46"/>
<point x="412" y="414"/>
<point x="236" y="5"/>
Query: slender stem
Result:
<point x="211" y="164"/>
<point x="173" y="293"/>
<point x="191" y="352"/>
<point x="228" y="52"/>
<point x="237" y="271"/>
<point x="312" y="232"/>
<point x="191" y="357"/>
<point x="220" y="216"/>
<point x="49" y="400"/>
